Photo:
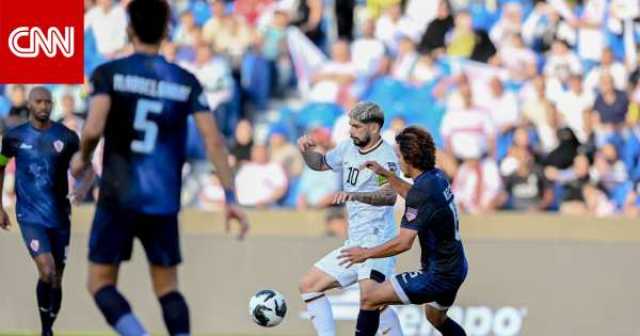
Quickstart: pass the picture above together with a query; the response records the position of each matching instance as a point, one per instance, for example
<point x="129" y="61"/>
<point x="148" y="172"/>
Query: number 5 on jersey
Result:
<point x="147" y="127"/>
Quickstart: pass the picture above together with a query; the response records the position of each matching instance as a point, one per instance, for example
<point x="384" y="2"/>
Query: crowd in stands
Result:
<point x="534" y="105"/>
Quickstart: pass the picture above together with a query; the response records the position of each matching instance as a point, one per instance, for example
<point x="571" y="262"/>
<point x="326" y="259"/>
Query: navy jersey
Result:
<point x="146" y="131"/>
<point x="430" y="210"/>
<point x="42" y="163"/>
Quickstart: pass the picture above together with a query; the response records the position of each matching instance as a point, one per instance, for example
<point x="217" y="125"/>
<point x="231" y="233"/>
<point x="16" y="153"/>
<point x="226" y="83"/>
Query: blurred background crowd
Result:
<point x="534" y="105"/>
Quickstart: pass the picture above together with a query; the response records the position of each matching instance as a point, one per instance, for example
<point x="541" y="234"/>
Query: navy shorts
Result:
<point x="421" y="287"/>
<point x="114" y="230"/>
<point x="41" y="239"/>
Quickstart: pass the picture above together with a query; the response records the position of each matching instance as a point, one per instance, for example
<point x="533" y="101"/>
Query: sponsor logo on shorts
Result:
<point x="35" y="245"/>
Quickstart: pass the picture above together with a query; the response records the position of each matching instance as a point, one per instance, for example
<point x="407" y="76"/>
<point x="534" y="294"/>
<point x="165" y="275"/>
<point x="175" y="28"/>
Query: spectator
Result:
<point x="344" y="11"/>
<point x="260" y="183"/>
<point x="285" y="153"/>
<point x="608" y="171"/>
<point x="465" y="127"/>
<point x="243" y="142"/>
<point x="405" y="61"/>
<point x="334" y="77"/>
<point x="573" y="181"/>
<point x="108" y="21"/>
<point x="433" y="39"/>
<point x="568" y="147"/>
<point x="509" y="24"/>
<point x="591" y="39"/>
<point x="251" y="10"/>
<point x="18" y="113"/>
<point x="539" y="111"/>
<point x="562" y="62"/>
<point x="397" y="124"/>
<point x="69" y="115"/>
<point x="464" y="41"/>
<point x="273" y="44"/>
<point x="519" y="60"/>
<point x="478" y="185"/>
<point x="214" y="73"/>
<point x="609" y="110"/>
<point x="545" y="25"/>
<point x="228" y="34"/>
<point x="525" y="183"/>
<point x="574" y="106"/>
<point x="608" y="65"/>
<point x="503" y="107"/>
<point x="392" y="25"/>
<point x="425" y="70"/>
<point x="187" y="32"/>
<point x="369" y="51"/>
<point x="308" y="16"/>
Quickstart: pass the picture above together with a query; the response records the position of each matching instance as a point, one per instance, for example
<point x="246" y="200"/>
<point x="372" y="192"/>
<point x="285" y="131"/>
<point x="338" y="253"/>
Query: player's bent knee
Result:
<point x="368" y="301"/>
<point x="435" y="317"/>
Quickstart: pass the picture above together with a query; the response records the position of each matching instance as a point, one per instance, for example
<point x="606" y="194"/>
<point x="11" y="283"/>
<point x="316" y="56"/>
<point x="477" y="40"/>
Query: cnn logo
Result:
<point x="50" y="44"/>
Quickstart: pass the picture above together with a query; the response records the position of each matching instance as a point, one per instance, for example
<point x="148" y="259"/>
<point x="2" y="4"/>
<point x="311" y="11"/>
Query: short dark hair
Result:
<point x="417" y="147"/>
<point x="149" y="19"/>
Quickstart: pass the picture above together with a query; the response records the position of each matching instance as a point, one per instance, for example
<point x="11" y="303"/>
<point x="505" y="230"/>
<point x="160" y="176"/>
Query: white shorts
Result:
<point x="370" y="269"/>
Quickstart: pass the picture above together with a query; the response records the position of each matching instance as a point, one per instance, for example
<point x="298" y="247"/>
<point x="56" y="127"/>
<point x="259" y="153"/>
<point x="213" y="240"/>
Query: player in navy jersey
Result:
<point x="42" y="150"/>
<point x="140" y="104"/>
<point x="431" y="215"/>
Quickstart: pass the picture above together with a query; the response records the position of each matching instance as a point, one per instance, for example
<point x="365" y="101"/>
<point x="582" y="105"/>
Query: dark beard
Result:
<point x="361" y="143"/>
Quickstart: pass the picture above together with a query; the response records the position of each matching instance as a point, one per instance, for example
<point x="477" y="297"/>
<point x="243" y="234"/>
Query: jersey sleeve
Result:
<point x="74" y="143"/>
<point x="198" y="98"/>
<point x="335" y="157"/>
<point x="390" y="162"/>
<point x="100" y="81"/>
<point x="8" y="149"/>
<point x="417" y="211"/>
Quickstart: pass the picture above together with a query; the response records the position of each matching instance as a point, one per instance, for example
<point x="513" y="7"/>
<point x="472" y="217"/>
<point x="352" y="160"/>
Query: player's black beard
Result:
<point x="361" y="143"/>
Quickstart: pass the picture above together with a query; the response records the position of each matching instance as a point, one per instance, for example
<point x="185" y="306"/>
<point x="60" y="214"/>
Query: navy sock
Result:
<point x="43" y="293"/>
<point x="368" y="322"/>
<point x="451" y="328"/>
<point x="117" y="312"/>
<point x="176" y="313"/>
<point x="56" y="302"/>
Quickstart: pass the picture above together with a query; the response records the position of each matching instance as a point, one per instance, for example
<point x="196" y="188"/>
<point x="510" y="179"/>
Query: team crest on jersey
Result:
<point x="392" y="166"/>
<point x="411" y="214"/>
<point x="35" y="245"/>
<point x="58" y="145"/>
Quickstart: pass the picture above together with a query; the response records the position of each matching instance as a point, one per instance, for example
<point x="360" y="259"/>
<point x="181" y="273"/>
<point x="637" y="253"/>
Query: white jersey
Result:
<point x="368" y="225"/>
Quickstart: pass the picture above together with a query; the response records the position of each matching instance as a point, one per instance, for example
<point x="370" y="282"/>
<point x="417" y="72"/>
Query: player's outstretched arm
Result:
<point x="400" y="186"/>
<point x="91" y="133"/>
<point x="402" y="243"/>
<point x="313" y="159"/>
<point x="385" y="196"/>
<point x="217" y="153"/>
<point x="4" y="218"/>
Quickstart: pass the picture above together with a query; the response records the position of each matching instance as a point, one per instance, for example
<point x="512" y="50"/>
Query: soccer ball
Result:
<point x="267" y="308"/>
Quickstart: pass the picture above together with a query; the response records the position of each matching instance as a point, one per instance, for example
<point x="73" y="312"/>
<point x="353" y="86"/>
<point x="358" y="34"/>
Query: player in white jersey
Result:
<point x="369" y="200"/>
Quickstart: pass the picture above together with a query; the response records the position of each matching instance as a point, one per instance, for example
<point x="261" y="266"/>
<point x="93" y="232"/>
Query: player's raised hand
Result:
<point x="5" y="222"/>
<point x="234" y="212"/>
<point x="305" y="143"/>
<point x="341" y="198"/>
<point x="353" y="255"/>
<point x="376" y="168"/>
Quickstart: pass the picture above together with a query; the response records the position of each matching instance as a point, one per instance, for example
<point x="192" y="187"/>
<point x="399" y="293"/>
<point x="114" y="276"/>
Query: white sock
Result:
<point x="320" y="313"/>
<point x="389" y="323"/>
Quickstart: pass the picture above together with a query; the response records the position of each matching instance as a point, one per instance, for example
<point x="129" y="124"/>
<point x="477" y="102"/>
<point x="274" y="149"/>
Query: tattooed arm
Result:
<point x="313" y="159"/>
<point x="385" y="196"/>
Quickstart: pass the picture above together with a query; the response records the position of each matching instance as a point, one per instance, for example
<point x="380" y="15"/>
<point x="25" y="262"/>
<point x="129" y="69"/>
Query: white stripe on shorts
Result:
<point x="399" y="291"/>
